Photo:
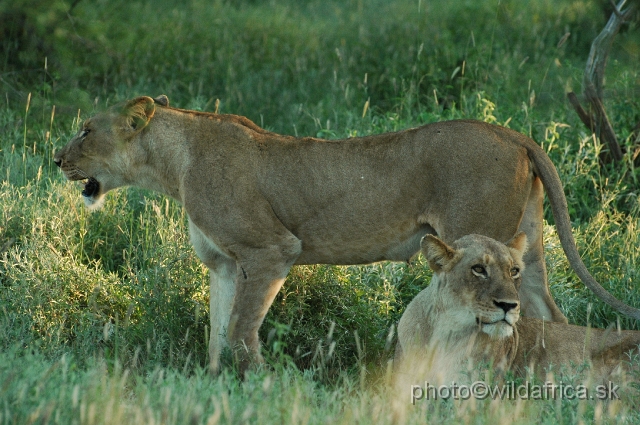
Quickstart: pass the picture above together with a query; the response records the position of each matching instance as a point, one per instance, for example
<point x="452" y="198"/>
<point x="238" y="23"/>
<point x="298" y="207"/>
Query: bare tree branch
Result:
<point x="73" y="5"/>
<point x="593" y="82"/>
<point x="585" y="117"/>
<point x="597" y="61"/>
<point x="616" y="9"/>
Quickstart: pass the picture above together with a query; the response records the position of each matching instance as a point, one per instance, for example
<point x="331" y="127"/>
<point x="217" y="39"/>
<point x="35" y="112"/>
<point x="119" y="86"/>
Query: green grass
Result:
<point x="104" y="315"/>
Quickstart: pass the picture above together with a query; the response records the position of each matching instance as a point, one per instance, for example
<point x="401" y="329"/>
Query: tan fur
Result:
<point x="443" y="335"/>
<point x="259" y="202"/>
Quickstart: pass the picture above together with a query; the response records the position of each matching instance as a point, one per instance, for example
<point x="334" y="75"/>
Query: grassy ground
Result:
<point x="104" y="315"/>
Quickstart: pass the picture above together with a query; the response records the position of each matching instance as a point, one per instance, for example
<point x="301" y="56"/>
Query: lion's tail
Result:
<point x="547" y="172"/>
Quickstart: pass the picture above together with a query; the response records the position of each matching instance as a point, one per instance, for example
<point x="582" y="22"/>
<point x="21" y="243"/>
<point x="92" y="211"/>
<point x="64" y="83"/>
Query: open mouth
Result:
<point x="91" y="187"/>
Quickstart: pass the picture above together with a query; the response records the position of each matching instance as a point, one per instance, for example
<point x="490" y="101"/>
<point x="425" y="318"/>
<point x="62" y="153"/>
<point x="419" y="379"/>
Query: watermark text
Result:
<point x="526" y="390"/>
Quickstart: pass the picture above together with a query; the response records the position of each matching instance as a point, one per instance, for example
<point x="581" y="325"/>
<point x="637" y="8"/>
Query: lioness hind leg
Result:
<point x="535" y="298"/>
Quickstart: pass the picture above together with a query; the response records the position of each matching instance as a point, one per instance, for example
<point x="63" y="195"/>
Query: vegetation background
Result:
<point x="103" y="316"/>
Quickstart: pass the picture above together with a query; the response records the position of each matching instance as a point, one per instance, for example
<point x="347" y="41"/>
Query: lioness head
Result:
<point x="478" y="280"/>
<point x="102" y="151"/>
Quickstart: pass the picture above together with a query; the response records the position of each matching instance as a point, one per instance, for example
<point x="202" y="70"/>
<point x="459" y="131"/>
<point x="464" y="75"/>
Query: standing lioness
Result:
<point x="259" y="202"/>
<point x="470" y="314"/>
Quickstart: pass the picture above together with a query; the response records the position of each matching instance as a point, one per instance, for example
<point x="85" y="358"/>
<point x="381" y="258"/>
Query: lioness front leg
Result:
<point x="222" y="272"/>
<point x="221" y="298"/>
<point x="261" y="273"/>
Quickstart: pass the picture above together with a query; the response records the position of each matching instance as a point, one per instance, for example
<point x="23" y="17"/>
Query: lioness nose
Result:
<point x="58" y="162"/>
<point x="506" y="307"/>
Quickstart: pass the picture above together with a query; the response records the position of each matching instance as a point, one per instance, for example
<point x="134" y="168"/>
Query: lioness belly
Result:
<point x="357" y="247"/>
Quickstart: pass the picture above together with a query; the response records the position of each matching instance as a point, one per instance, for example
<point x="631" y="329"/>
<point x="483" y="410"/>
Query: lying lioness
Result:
<point x="470" y="314"/>
<point x="259" y="202"/>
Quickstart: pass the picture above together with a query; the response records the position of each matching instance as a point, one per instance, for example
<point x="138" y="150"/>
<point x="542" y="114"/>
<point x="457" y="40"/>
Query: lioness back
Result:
<point x="373" y="198"/>
<point x="545" y="344"/>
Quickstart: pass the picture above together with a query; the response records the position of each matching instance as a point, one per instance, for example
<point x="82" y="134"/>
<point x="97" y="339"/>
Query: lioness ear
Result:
<point x="162" y="100"/>
<point x="518" y="242"/>
<point x="138" y="112"/>
<point x="438" y="254"/>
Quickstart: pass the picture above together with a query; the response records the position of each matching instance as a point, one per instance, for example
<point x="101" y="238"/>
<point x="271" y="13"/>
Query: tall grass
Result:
<point x="104" y="315"/>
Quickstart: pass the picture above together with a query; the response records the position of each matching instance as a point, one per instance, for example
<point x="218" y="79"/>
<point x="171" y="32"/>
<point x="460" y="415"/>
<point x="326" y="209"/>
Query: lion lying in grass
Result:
<point x="259" y="202"/>
<point x="470" y="314"/>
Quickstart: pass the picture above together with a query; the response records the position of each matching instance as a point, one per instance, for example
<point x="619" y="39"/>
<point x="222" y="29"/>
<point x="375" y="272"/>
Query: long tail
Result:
<point x="553" y="187"/>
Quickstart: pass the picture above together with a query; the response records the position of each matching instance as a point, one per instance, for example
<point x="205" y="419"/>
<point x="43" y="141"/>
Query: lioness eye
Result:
<point x="515" y="272"/>
<point x="479" y="270"/>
